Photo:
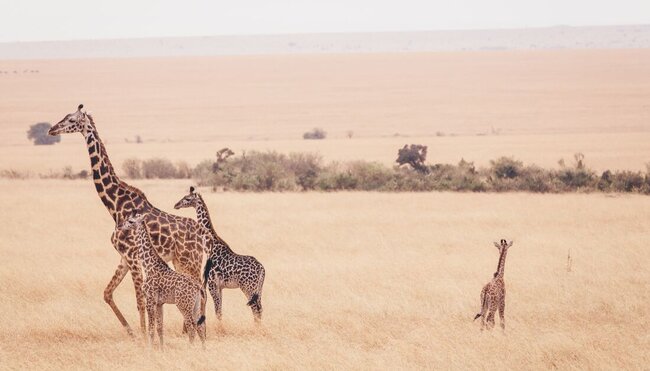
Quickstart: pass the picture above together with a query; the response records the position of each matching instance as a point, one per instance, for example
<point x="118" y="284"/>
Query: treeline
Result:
<point x="272" y="171"/>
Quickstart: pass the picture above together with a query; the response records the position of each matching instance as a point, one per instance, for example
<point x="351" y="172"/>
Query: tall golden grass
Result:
<point x="354" y="281"/>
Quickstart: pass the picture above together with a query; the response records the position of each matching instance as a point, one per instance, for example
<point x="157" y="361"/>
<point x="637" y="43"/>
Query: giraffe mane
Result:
<point x="121" y="183"/>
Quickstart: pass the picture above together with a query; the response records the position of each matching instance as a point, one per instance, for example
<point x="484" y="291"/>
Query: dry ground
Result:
<point x="546" y="104"/>
<point x="354" y="280"/>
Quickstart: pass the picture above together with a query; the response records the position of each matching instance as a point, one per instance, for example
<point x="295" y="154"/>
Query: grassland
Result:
<point x="355" y="280"/>
<point x="545" y="105"/>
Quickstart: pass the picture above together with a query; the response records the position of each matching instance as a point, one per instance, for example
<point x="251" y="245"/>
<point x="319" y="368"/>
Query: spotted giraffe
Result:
<point x="224" y="268"/>
<point x="173" y="237"/>
<point x="493" y="295"/>
<point x="162" y="285"/>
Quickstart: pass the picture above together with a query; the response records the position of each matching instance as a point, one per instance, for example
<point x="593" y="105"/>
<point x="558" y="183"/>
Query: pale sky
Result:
<point x="33" y="20"/>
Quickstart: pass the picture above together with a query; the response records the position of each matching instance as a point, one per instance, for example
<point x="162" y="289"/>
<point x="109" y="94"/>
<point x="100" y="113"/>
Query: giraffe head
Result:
<point x="189" y="200"/>
<point x="503" y="245"/>
<point x="132" y="222"/>
<point x="77" y="122"/>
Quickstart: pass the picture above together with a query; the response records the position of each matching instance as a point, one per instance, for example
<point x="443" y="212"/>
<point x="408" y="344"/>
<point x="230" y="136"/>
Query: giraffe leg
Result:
<point x="484" y="318"/>
<point x="119" y="275"/>
<point x="502" y="313"/>
<point x="151" y="313"/>
<point x="190" y="325"/>
<point x="136" y="275"/>
<point x="490" y="318"/>
<point x="159" y="323"/>
<point x="484" y="308"/>
<point x="180" y="268"/>
<point x="215" y="292"/>
<point x="255" y="302"/>
<point x="201" y="330"/>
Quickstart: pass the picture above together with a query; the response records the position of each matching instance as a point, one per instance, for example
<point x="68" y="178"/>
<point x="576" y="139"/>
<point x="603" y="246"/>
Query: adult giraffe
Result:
<point x="174" y="238"/>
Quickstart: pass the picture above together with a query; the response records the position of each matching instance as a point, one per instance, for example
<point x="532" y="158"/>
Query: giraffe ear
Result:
<point x="497" y="245"/>
<point x="510" y="243"/>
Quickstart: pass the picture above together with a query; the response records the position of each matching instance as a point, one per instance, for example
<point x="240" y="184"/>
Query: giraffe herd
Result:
<point x="147" y="238"/>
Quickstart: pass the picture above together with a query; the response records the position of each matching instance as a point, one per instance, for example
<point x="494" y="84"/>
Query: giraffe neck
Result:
<point x="119" y="198"/>
<point x="203" y="216"/>
<point x="149" y="259"/>
<point x="502" y="263"/>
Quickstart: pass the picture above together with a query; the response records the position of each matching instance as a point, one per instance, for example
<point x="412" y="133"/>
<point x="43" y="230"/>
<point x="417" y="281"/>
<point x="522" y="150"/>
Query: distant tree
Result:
<point x="349" y="134"/>
<point x="222" y="156"/>
<point x="414" y="155"/>
<point x="38" y="134"/>
<point x="316" y="133"/>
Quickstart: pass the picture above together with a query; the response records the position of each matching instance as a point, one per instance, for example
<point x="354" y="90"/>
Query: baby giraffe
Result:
<point x="162" y="285"/>
<point x="493" y="295"/>
<point x="224" y="268"/>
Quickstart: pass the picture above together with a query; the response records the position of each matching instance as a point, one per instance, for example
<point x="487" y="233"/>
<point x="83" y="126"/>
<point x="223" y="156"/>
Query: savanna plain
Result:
<point x="355" y="280"/>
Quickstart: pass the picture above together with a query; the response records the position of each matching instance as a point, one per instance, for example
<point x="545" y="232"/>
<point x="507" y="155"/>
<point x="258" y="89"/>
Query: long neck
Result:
<point x="502" y="263"/>
<point x="103" y="173"/>
<point x="149" y="258"/>
<point x="203" y="215"/>
<point x="119" y="198"/>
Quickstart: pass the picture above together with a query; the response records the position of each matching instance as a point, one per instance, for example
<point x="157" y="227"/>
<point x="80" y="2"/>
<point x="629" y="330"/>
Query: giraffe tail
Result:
<point x="199" y="306"/>
<point x="253" y="300"/>
<point x="482" y="305"/>
<point x="206" y="271"/>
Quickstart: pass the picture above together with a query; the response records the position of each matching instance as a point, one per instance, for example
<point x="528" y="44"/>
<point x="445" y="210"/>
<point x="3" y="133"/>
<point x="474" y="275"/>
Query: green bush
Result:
<point x="305" y="167"/>
<point x="506" y="168"/>
<point x="133" y="168"/>
<point x="158" y="168"/>
<point x="38" y="134"/>
<point x="623" y="181"/>
<point x="316" y="133"/>
<point x="367" y="176"/>
<point x="273" y="171"/>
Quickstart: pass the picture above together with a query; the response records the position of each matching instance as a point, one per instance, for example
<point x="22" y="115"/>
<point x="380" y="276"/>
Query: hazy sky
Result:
<point x="29" y="20"/>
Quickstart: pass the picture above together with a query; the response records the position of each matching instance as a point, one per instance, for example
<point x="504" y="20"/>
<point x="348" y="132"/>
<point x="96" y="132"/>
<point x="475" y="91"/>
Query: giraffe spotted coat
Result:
<point x="493" y="294"/>
<point x="162" y="285"/>
<point x="224" y="268"/>
<point x="173" y="237"/>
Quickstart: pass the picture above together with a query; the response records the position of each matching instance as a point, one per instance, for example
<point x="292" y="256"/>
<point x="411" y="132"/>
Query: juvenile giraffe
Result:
<point x="224" y="268"/>
<point x="173" y="237"/>
<point x="162" y="285"/>
<point x="493" y="295"/>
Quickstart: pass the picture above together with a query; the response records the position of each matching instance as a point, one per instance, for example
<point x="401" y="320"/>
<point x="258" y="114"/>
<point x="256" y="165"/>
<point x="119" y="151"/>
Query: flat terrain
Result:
<point x="545" y="105"/>
<point x="354" y="281"/>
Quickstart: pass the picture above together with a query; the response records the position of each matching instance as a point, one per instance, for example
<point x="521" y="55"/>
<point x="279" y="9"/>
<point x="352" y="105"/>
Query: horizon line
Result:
<point x="273" y="34"/>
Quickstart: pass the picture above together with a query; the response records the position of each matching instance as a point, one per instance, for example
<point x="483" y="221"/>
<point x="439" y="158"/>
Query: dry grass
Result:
<point x="354" y="280"/>
<point x="578" y="99"/>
